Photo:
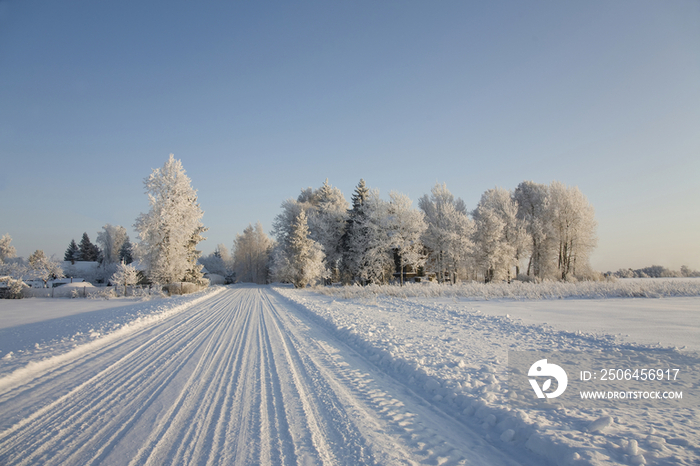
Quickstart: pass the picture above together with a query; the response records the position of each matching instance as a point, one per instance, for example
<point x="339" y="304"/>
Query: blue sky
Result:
<point x="262" y="99"/>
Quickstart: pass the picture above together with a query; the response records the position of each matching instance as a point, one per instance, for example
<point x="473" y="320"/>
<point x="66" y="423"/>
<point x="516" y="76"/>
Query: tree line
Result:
<point x="534" y="232"/>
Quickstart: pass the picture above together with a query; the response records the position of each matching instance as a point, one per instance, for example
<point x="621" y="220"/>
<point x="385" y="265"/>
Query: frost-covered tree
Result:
<point x="125" y="253"/>
<point x="326" y="212"/>
<point x="72" y="253"/>
<point x="111" y="239"/>
<point x="574" y="228"/>
<point x="171" y="229"/>
<point x="219" y="262"/>
<point x="40" y="267"/>
<point x="125" y="275"/>
<point x="88" y="251"/>
<point x="370" y="245"/>
<point x="251" y="254"/>
<point x="327" y="223"/>
<point x="500" y="238"/>
<point x="449" y="232"/>
<point x="405" y="226"/>
<point x="302" y="263"/>
<point x="354" y="235"/>
<point x="533" y="209"/>
<point x="7" y="251"/>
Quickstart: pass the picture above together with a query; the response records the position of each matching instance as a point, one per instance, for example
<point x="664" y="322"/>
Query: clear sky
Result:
<point x="261" y="99"/>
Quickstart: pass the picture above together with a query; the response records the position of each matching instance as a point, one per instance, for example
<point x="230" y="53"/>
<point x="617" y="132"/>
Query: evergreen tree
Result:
<point x="125" y="252"/>
<point x="354" y="238"/>
<point x="88" y="251"/>
<point x="72" y="254"/>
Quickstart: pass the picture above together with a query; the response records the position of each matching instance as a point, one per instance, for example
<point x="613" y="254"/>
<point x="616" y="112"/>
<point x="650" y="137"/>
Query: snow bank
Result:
<point x="35" y="339"/>
<point x="647" y="288"/>
<point x="456" y="359"/>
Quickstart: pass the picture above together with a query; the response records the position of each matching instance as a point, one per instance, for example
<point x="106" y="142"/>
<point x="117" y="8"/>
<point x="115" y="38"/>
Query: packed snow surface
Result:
<point x="277" y="376"/>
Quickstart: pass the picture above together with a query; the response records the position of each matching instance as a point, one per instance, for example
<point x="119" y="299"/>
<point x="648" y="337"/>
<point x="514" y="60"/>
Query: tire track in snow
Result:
<point x="239" y="378"/>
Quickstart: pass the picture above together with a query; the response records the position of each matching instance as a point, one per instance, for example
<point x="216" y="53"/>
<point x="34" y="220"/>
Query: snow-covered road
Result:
<point x="239" y="377"/>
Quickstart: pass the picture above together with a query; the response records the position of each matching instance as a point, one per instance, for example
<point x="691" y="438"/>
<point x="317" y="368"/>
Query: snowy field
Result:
<point x="273" y="375"/>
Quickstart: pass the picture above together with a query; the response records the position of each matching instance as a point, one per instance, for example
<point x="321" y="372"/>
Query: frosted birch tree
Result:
<point x="532" y="199"/>
<point x="405" y="226"/>
<point x="500" y="236"/>
<point x="111" y="239"/>
<point x="449" y="232"/>
<point x="171" y="229"/>
<point x="574" y="228"/>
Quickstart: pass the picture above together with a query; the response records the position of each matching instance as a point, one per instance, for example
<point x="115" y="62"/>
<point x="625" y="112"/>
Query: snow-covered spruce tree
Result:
<point x="500" y="238"/>
<point x="88" y="251"/>
<point x="171" y="229"/>
<point x="72" y="253"/>
<point x="302" y="263"/>
<point x="352" y="239"/>
<point x="194" y="273"/>
<point x="405" y="226"/>
<point x="574" y="228"/>
<point x="449" y="232"/>
<point x="125" y="253"/>
<point x="125" y="275"/>
<point x="532" y="199"/>
<point x="251" y="255"/>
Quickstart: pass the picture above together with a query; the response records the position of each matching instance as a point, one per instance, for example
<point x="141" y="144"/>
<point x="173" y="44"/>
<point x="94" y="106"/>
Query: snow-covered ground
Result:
<point x="273" y="375"/>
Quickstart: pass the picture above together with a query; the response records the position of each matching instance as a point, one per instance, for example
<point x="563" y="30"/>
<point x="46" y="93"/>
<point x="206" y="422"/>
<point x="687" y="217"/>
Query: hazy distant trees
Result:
<point x="251" y="255"/>
<point x="219" y="262"/>
<point x="171" y="229"/>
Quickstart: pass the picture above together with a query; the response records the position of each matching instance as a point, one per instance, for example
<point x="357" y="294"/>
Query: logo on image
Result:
<point x="543" y="369"/>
